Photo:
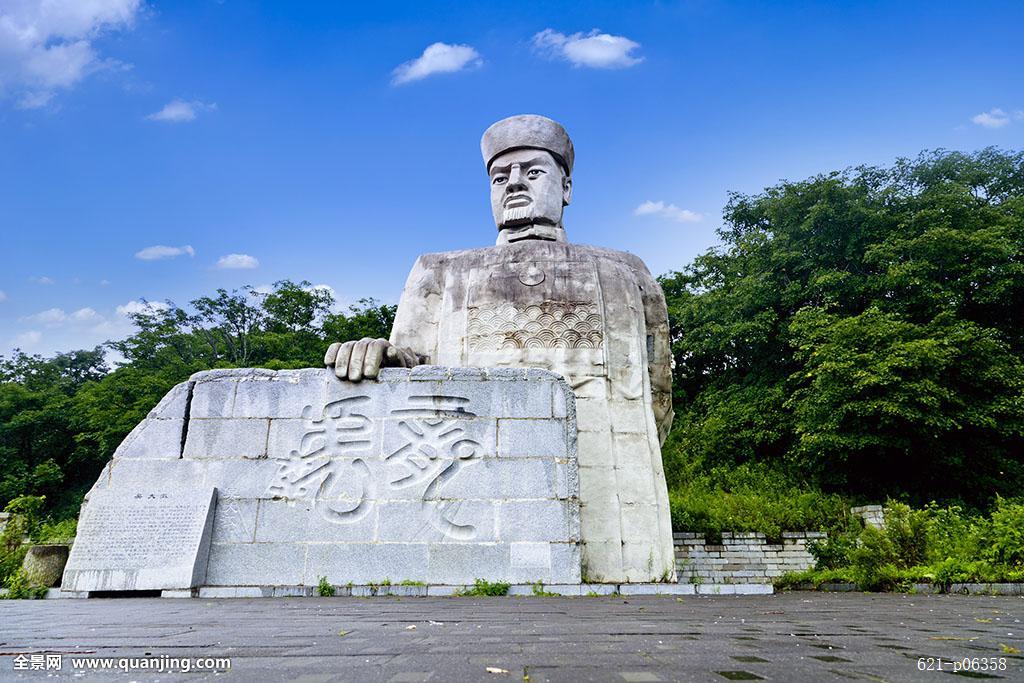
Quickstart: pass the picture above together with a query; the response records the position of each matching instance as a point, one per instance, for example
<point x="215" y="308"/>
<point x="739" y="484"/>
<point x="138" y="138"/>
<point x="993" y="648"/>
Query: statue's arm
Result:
<point x="659" y="352"/>
<point x="418" y="315"/>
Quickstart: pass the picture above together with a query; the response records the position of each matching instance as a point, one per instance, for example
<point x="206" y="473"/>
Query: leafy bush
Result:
<point x="955" y="535"/>
<point x="324" y="588"/>
<point x="1007" y="542"/>
<point x="873" y="561"/>
<point x="57" y="532"/>
<point x="20" y="588"/>
<point x="907" y="531"/>
<point x="834" y="552"/>
<point x="23" y="523"/>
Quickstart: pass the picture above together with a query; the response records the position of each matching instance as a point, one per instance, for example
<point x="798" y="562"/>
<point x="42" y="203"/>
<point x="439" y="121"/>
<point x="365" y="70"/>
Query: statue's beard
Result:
<point x="523" y="216"/>
<point x="517" y="215"/>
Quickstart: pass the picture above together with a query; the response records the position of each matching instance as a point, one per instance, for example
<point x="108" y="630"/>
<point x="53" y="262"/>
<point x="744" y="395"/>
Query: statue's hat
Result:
<point x="527" y="131"/>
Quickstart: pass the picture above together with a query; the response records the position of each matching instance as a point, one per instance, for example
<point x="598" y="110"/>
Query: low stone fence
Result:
<point x="745" y="557"/>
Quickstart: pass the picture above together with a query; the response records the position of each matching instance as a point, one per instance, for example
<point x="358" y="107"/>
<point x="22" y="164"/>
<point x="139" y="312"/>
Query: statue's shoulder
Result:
<point x="528" y="250"/>
<point x="458" y="258"/>
<point x="624" y="257"/>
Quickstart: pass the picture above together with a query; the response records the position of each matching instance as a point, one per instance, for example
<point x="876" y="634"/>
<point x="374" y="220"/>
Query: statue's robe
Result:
<point x="597" y="317"/>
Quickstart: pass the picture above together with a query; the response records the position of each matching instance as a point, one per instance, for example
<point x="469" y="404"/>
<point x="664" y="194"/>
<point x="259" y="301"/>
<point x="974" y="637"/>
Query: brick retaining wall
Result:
<point x="745" y="557"/>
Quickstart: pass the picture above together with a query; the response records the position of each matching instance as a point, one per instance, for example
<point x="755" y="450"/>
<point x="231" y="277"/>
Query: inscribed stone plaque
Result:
<point x="142" y="540"/>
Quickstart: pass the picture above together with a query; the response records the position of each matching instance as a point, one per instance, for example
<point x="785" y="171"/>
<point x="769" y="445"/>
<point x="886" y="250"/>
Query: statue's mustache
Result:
<point x="515" y="214"/>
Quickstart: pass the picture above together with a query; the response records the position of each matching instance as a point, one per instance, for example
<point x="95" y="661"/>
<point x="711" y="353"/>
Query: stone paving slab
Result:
<point x="786" y="637"/>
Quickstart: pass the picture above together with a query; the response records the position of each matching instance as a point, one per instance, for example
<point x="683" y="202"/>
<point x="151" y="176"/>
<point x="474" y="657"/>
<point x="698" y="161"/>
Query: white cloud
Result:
<point x="27" y="341"/>
<point x="3" y="295"/>
<point x="44" y="280"/>
<point x="237" y="262"/>
<point x="180" y="111"/>
<point x="994" y="118"/>
<point x="142" y="308"/>
<point x="85" y="315"/>
<point x="47" y="45"/>
<point x="51" y="316"/>
<point x="438" y="58"/>
<point x="595" y="49"/>
<point x="669" y="211"/>
<point x="159" y="252"/>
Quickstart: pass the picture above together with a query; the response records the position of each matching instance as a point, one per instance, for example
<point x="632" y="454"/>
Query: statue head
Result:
<point x="529" y="161"/>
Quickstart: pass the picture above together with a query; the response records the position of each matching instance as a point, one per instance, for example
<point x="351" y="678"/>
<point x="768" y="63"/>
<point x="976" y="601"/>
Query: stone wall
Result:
<point x="871" y="515"/>
<point x="434" y="475"/>
<point x="742" y="557"/>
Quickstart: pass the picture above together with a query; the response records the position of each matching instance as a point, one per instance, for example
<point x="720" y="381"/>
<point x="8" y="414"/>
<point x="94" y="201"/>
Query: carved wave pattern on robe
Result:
<point x="550" y="325"/>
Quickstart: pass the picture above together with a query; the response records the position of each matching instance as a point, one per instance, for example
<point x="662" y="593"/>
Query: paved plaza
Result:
<point x="786" y="637"/>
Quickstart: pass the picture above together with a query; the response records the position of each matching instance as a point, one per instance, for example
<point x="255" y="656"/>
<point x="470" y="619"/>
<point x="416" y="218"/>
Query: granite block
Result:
<point x="519" y="438"/>
<point x="153" y="439"/>
<point x="222" y="438"/>
<point x="365" y="563"/>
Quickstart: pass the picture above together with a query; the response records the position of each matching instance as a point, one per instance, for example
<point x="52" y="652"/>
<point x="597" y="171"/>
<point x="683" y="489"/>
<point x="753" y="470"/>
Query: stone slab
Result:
<point x="735" y="589"/>
<point x="147" y="540"/>
<point x="234" y="592"/>
<point x="656" y="589"/>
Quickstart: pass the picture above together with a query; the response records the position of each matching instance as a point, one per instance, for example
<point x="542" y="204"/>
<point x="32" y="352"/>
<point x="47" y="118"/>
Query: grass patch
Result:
<point x="482" y="588"/>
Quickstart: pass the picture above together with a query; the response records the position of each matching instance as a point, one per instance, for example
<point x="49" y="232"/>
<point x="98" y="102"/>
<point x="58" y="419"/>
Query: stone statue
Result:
<point x="593" y="315"/>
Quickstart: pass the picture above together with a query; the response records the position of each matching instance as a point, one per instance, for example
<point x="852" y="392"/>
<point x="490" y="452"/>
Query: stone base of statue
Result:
<point x="260" y="478"/>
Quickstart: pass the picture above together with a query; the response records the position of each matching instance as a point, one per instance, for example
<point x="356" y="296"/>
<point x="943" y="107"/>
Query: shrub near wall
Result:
<point x="941" y="546"/>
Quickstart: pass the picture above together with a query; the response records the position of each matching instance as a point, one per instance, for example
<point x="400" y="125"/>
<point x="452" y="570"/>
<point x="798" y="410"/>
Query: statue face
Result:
<point x="528" y="188"/>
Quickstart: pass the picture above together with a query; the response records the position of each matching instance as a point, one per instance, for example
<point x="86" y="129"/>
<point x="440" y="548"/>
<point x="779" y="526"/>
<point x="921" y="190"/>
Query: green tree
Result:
<point x="862" y="330"/>
<point x="38" y="422"/>
<point x="366" y="318"/>
<point x="293" y="328"/>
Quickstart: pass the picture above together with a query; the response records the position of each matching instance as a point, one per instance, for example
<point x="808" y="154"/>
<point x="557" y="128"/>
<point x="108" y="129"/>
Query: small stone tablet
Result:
<point x="142" y="540"/>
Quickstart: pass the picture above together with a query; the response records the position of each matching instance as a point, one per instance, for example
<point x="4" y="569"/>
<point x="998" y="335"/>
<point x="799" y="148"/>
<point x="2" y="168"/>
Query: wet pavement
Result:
<point x="785" y="637"/>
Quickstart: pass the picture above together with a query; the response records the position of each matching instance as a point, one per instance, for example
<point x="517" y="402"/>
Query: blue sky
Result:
<point x="263" y="141"/>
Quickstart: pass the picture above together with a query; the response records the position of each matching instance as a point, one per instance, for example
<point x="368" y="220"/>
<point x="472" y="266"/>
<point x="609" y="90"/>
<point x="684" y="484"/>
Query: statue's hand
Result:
<point x="354" y="360"/>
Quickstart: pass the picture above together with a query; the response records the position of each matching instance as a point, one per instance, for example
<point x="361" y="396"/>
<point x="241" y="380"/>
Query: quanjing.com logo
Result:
<point x="54" y="662"/>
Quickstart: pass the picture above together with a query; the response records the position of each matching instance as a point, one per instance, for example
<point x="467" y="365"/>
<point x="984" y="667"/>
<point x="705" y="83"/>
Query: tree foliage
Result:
<point x="863" y="331"/>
